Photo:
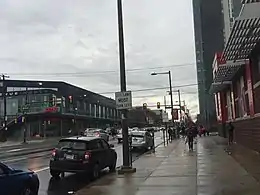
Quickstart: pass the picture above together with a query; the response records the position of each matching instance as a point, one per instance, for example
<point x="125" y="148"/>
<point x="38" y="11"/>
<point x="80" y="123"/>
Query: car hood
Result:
<point x="20" y="170"/>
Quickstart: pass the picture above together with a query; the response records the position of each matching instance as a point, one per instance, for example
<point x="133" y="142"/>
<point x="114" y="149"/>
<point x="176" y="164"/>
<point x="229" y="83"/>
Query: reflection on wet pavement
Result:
<point x="174" y="170"/>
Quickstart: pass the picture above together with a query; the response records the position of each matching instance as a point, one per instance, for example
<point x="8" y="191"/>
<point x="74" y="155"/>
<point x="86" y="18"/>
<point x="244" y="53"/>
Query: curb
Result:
<point x="147" y="152"/>
<point x="139" y="156"/>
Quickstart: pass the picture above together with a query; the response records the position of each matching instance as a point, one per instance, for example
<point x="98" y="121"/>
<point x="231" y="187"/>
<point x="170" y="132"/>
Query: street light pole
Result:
<point x="170" y="83"/>
<point x="126" y="160"/>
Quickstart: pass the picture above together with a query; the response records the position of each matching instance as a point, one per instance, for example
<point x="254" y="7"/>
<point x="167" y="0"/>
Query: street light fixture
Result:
<point x="170" y="85"/>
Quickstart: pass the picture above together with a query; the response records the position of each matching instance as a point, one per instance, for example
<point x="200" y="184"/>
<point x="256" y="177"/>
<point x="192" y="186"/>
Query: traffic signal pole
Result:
<point x="126" y="168"/>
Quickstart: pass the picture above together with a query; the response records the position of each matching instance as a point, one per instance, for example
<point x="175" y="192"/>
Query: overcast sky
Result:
<point x="76" y="41"/>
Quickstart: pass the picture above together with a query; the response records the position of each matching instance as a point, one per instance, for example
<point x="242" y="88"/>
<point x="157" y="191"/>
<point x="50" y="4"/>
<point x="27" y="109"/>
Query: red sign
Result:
<point x="175" y="114"/>
<point x="52" y="109"/>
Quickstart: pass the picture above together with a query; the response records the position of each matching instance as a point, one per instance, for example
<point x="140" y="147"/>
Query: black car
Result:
<point x="18" y="182"/>
<point x="82" y="154"/>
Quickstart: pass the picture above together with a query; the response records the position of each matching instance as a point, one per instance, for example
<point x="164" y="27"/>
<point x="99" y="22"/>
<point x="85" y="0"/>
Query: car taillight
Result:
<point x="54" y="152"/>
<point x="87" y="155"/>
<point x="97" y="134"/>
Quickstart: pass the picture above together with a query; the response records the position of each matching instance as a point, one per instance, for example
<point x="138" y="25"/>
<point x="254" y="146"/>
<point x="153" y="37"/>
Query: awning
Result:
<point x="225" y="72"/>
<point x="245" y="33"/>
<point x="249" y="1"/>
<point x="219" y="86"/>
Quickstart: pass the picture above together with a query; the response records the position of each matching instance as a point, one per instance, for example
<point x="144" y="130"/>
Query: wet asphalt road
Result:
<point x="39" y="162"/>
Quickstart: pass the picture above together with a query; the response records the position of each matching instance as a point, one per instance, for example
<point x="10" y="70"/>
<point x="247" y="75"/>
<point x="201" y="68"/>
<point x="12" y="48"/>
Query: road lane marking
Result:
<point x="13" y="160"/>
<point x="42" y="169"/>
<point x="16" y="150"/>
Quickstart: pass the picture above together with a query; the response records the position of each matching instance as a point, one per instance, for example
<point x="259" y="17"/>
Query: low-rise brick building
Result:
<point x="236" y="78"/>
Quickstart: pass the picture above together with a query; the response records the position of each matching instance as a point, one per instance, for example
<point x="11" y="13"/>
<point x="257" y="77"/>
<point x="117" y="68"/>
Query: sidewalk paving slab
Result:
<point x="247" y="158"/>
<point x="173" y="170"/>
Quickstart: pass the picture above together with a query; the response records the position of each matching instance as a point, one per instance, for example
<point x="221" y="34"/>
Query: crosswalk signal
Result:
<point x="158" y="105"/>
<point x="144" y="106"/>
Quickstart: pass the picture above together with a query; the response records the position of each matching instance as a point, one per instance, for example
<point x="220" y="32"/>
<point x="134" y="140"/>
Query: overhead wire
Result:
<point x="150" y="96"/>
<point x="154" y="89"/>
<point x="85" y="73"/>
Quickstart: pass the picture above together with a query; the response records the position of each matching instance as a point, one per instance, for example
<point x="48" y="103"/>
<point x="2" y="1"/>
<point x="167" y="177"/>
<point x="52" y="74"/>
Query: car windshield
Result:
<point x="93" y="129"/>
<point x="138" y="135"/>
<point x="70" y="144"/>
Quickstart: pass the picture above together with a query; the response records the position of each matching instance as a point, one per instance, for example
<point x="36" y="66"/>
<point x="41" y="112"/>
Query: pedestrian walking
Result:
<point x="230" y="129"/>
<point x="190" y="137"/>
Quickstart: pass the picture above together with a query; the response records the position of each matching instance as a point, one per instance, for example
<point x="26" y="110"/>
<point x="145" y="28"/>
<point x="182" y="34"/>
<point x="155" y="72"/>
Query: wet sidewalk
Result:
<point x="173" y="170"/>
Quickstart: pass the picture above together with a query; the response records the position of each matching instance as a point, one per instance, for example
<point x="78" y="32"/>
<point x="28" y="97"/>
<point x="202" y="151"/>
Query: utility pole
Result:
<point x="179" y="95"/>
<point x="170" y="82"/>
<point x="126" y="168"/>
<point x="24" y="114"/>
<point x="3" y="76"/>
<point x="164" y="98"/>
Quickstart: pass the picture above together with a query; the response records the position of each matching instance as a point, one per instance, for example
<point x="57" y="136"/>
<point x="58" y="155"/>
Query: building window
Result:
<point x="99" y="111"/>
<point x="241" y="98"/>
<point x="229" y="105"/>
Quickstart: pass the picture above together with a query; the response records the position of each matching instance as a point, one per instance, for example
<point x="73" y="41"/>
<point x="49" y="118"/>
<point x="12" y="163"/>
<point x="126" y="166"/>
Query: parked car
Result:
<point x="119" y="136"/>
<point x="82" y="154"/>
<point x="93" y="132"/>
<point x="18" y="182"/>
<point x="142" y="140"/>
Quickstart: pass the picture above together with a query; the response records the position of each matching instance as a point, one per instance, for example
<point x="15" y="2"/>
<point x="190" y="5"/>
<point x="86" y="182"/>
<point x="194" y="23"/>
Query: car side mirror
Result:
<point x="111" y="145"/>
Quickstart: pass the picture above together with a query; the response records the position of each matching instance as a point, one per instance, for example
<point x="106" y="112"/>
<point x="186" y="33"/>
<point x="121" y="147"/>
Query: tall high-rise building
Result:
<point x="231" y="10"/>
<point x="209" y="38"/>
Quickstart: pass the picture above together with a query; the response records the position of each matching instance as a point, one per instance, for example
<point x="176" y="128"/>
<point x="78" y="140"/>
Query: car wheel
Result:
<point x="55" y="174"/>
<point x="95" y="173"/>
<point x="112" y="167"/>
<point x="28" y="190"/>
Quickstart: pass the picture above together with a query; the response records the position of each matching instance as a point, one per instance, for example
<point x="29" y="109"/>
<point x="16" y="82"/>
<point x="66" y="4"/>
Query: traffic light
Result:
<point x="158" y="105"/>
<point x="144" y="106"/>
<point x="70" y="99"/>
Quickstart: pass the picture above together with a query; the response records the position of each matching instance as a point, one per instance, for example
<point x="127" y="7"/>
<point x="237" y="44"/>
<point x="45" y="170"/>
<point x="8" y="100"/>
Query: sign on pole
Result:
<point x="123" y="100"/>
<point x="165" y="118"/>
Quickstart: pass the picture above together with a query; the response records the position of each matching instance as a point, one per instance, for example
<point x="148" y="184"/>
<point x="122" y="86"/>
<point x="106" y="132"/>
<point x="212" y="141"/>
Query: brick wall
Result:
<point x="247" y="133"/>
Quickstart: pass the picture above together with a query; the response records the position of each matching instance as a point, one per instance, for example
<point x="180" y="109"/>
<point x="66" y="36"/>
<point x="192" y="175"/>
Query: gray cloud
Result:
<point x="49" y="37"/>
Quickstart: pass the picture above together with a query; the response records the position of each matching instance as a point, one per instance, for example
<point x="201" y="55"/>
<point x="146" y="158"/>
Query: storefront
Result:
<point x="236" y="78"/>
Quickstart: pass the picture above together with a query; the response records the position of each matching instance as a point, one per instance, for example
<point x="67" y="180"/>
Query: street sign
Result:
<point x="123" y="100"/>
<point x="165" y="118"/>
